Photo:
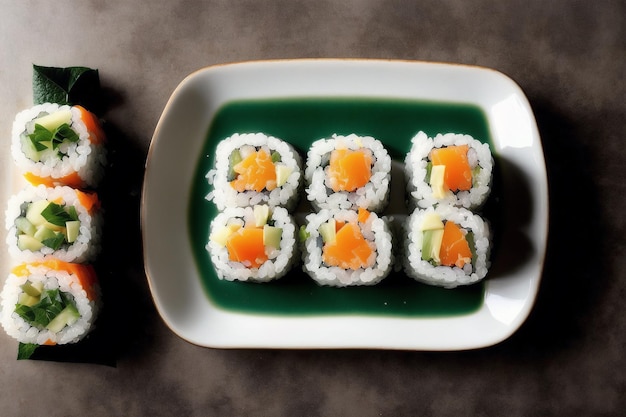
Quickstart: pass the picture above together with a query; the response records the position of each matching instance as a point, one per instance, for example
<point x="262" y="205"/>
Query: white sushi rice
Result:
<point x="18" y="328"/>
<point x="85" y="158"/>
<point x="224" y="195"/>
<point x="279" y="261"/>
<point x="444" y="276"/>
<point x="87" y="244"/>
<point x="375" y="230"/>
<point x="416" y="161"/>
<point x="373" y="196"/>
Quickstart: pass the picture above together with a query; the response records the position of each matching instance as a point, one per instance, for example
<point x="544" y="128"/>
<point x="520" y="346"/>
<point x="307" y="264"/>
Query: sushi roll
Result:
<point x="49" y="303"/>
<point x="255" y="244"/>
<point x="59" y="222"/>
<point x="348" y="172"/>
<point x="446" y="246"/>
<point x="254" y="168"/>
<point x="448" y="169"/>
<point x="346" y="247"/>
<point x="59" y="145"/>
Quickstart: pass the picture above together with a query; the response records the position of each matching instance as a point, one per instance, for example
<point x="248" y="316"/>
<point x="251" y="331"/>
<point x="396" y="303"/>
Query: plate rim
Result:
<point x="501" y="335"/>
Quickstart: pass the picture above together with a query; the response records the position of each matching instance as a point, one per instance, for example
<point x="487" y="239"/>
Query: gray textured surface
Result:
<point x="568" y="57"/>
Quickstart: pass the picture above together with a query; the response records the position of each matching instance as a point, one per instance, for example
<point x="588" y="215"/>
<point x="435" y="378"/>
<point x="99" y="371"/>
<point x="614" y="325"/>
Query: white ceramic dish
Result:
<point x="172" y="273"/>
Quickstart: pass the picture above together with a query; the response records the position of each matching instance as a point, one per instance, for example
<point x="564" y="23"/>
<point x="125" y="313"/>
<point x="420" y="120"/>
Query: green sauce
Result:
<point x="301" y="121"/>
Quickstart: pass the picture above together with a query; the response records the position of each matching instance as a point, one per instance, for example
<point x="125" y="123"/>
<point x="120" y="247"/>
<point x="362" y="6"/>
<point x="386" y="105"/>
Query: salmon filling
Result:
<point x="255" y="173"/>
<point x="349" y="169"/>
<point x="458" y="173"/>
<point x="455" y="250"/>
<point x="349" y="250"/>
<point x="246" y="246"/>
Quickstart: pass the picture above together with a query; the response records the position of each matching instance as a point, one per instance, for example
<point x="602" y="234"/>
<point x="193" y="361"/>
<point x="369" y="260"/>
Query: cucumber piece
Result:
<point x="68" y="316"/>
<point x="24" y="226"/>
<point x="261" y="214"/>
<point x="475" y="173"/>
<point x="33" y="212"/>
<point x="34" y="290"/>
<point x="282" y="174"/>
<point x="233" y="159"/>
<point x="54" y="120"/>
<point x="34" y="215"/>
<point x="275" y="157"/>
<point x="328" y="231"/>
<point x="429" y="168"/>
<point x="25" y="242"/>
<point x="43" y="233"/>
<point x="29" y="150"/>
<point x="38" y="286"/>
<point x="272" y="236"/>
<point x="431" y="245"/>
<point x="303" y="234"/>
<point x="27" y="300"/>
<point x="72" y="229"/>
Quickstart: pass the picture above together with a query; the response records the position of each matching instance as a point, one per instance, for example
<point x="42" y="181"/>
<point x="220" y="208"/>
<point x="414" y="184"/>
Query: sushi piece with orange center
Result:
<point x="349" y="169"/>
<point x="349" y="250"/>
<point x="455" y="250"/>
<point x="246" y="245"/>
<point x="256" y="172"/>
<point x="458" y="173"/>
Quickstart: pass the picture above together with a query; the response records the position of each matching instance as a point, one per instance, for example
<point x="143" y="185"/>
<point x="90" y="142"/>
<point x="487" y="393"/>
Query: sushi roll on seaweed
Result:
<point x="446" y="246"/>
<point x="348" y="172"/>
<point x="448" y="169"/>
<point x="253" y="243"/>
<point x="346" y="247"/>
<point x="59" y="222"/>
<point x="254" y="168"/>
<point x="59" y="145"/>
<point x="50" y="303"/>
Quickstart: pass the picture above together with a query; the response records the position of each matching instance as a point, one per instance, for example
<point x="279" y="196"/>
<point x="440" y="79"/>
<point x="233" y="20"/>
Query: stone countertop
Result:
<point x="566" y="359"/>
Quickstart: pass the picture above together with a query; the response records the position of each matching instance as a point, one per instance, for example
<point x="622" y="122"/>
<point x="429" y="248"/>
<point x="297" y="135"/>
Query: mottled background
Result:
<point x="568" y="57"/>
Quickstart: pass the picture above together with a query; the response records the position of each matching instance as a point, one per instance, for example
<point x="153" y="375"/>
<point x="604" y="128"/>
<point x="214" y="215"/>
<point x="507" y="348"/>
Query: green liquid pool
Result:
<point x="301" y="121"/>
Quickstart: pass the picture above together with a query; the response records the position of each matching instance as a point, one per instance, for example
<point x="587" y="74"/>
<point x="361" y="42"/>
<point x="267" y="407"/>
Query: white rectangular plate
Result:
<point x="176" y="146"/>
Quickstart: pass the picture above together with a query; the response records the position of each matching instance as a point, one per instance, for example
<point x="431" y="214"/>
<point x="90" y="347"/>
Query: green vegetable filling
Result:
<point x="233" y="159"/>
<point x="472" y="245"/>
<point x="57" y="215"/>
<point x="41" y="311"/>
<point x="44" y="223"/>
<point x="303" y="234"/>
<point x="429" y="169"/>
<point x="43" y="138"/>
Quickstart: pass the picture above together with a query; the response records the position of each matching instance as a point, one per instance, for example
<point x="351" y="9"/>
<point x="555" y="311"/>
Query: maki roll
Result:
<point x="446" y="246"/>
<point x="49" y="303"/>
<point x="448" y="169"/>
<point x="59" y="222"/>
<point x="254" y="168"/>
<point x="346" y="247"/>
<point x="252" y="243"/>
<point x="59" y="145"/>
<point x="348" y="172"/>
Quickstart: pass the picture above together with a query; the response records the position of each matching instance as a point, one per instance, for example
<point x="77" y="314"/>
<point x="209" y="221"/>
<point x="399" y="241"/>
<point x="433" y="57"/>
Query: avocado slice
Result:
<point x="272" y="236"/>
<point x="68" y="316"/>
<point x="328" y="231"/>
<point x="431" y="245"/>
<point x="26" y="242"/>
